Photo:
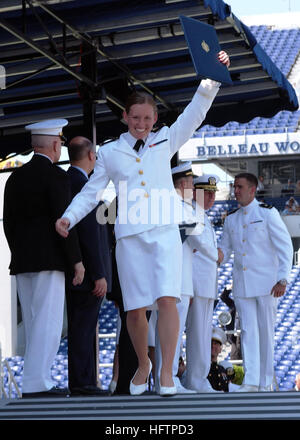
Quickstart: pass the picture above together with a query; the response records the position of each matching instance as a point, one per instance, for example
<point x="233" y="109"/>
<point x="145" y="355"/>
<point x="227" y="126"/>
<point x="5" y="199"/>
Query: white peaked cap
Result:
<point x="50" y="127"/>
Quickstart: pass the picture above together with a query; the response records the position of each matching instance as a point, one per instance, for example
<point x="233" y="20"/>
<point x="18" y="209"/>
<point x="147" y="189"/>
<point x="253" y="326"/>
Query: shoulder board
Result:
<point x="233" y="211"/>
<point x="265" y="205"/>
<point x="158" y="127"/>
<point x="108" y="141"/>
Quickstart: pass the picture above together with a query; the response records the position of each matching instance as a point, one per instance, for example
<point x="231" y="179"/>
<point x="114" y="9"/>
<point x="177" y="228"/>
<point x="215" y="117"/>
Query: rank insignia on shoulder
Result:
<point x="158" y="127"/>
<point x="233" y="211"/>
<point x="265" y="205"/>
<point x="108" y="141"/>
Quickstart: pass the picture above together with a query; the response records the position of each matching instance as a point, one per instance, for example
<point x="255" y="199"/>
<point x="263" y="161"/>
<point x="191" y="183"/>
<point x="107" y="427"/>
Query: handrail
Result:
<point x="11" y="377"/>
<point x="11" y="380"/>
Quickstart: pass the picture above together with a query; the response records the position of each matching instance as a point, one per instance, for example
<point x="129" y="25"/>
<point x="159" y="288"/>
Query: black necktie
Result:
<point x="138" y="144"/>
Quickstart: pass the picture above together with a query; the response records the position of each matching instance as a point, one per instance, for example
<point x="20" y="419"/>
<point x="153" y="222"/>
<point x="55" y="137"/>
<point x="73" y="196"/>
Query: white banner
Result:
<point x="278" y="144"/>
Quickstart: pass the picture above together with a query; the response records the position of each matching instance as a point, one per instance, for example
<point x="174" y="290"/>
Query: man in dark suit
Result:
<point x="84" y="301"/>
<point x="35" y="195"/>
<point x="127" y="362"/>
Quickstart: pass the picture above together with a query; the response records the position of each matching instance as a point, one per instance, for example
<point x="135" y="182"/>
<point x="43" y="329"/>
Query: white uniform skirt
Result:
<point x="149" y="266"/>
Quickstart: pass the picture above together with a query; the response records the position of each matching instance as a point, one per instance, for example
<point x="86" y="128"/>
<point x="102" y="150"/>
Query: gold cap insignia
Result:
<point x="205" y="46"/>
<point x="212" y="181"/>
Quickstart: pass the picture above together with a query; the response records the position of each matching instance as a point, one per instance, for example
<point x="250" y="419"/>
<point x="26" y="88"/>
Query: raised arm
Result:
<point x="195" y="113"/>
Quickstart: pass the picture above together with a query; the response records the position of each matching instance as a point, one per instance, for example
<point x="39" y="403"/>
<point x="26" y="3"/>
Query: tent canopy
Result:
<point x="79" y="60"/>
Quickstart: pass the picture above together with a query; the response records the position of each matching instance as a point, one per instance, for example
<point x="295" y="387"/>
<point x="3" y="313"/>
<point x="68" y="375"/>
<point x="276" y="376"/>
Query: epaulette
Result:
<point x="108" y="141"/>
<point x="265" y="205"/>
<point x="157" y="128"/>
<point x="233" y="211"/>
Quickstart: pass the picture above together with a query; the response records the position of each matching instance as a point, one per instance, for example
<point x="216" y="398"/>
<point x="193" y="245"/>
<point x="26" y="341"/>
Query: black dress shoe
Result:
<point x="88" y="390"/>
<point x="53" y="392"/>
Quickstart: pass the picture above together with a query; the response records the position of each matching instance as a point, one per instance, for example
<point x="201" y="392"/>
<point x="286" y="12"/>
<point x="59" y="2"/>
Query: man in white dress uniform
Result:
<point x="198" y="239"/>
<point x="183" y="183"/>
<point x="263" y="255"/>
<point x="205" y="287"/>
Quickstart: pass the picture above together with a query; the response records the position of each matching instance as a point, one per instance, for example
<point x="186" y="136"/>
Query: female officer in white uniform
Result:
<point x="149" y="247"/>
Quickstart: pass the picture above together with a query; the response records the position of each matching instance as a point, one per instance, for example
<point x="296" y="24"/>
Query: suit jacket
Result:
<point x="35" y="196"/>
<point x="94" y="242"/>
<point x="218" y="378"/>
<point x="143" y="182"/>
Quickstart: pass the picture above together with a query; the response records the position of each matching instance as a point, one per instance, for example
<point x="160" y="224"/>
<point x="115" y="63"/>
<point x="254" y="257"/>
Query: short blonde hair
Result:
<point x="140" y="98"/>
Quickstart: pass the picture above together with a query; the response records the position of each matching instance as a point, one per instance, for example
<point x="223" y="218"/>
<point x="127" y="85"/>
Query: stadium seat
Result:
<point x="283" y="47"/>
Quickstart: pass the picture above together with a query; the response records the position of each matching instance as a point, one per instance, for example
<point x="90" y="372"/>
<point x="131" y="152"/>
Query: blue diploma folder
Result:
<point x="204" y="47"/>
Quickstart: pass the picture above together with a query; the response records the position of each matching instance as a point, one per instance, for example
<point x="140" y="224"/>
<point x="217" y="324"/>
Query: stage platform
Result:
<point x="216" y="406"/>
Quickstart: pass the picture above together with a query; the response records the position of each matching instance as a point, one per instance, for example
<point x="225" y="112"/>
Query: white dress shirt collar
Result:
<point x="131" y="140"/>
<point x="249" y="207"/>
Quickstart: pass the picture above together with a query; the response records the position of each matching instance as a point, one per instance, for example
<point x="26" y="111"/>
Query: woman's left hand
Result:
<point x="224" y="58"/>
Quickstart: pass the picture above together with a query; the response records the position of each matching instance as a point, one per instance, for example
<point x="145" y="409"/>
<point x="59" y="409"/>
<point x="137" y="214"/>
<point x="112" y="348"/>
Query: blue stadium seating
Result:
<point x="283" y="47"/>
<point x="287" y="339"/>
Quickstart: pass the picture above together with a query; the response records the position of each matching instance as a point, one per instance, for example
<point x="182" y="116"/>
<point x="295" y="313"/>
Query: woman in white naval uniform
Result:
<point x="148" y="250"/>
<point x="205" y="286"/>
<point x="263" y="255"/>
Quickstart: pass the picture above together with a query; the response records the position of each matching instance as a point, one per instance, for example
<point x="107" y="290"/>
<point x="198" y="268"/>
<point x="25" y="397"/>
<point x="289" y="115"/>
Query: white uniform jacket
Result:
<point x="205" y="270"/>
<point x="202" y="239"/>
<point x="263" y="251"/>
<point x="140" y="181"/>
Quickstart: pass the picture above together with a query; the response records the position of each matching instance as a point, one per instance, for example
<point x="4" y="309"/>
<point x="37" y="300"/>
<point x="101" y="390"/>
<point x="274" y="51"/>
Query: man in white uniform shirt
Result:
<point x="194" y="237"/>
<point x="205" y="287"/>
<point x="263" y="255"/>
<point x="183" y="181"/>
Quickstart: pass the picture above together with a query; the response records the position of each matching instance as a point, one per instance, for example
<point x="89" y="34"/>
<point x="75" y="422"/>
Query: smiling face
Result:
<point x="140" y="120"/>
